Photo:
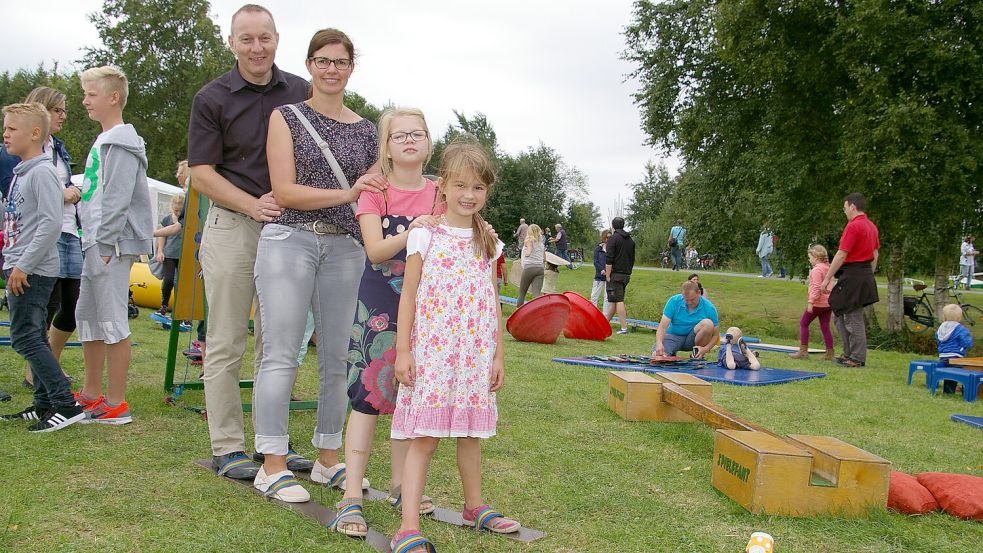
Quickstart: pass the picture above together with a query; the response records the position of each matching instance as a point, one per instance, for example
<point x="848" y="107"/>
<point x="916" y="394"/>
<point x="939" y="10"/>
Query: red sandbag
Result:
<point x="907" y="496"/>
<point x="586" y="322"/>
<point x="540" y="320"/>
<point x="960" y="495"/>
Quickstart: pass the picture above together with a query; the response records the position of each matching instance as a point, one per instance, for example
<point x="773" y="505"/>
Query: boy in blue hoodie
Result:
<point x="117" y="227"/>
<point x="953" y="338"/>
<point x="32" y="226"/>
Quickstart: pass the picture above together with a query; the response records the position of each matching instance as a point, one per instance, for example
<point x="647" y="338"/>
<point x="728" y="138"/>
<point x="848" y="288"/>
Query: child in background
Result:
<point x="449" y="355"/>
<point x="117" y="225"/>
<point x="734" y="353"/>
<point x="817" y="306"/>
<point x="386" y="219"/>
<point x="954" y="340"/>
<point x="169" y="237"/>
<point x="31" y="228"/>
<point x="600" y="259"/>
<point x="501" y="274"/>
<point x="551" y="272"/>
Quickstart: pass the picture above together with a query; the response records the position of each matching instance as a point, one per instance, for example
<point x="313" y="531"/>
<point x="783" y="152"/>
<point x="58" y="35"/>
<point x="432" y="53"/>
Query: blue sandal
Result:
<point x="410" y="540"/>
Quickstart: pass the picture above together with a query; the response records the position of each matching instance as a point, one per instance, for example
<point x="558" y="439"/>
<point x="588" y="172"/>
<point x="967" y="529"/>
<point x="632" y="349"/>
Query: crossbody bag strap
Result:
<point x="326" y="150"/>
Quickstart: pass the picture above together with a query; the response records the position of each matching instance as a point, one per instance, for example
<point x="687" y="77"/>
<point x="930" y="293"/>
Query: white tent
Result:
<point x="160" y="196"/>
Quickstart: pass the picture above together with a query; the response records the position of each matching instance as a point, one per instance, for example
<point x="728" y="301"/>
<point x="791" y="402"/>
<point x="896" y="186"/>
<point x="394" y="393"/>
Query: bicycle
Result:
<point x="920" y="315"/>
<point x="576" y="258"/>
<point x="513" y="251"/>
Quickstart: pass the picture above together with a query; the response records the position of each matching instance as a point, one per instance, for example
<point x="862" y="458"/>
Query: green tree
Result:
<point x="649" y="195"/>
<point x="78" y="131"/>
<point x="780" y="109"/>
<point x="168" y="50"/>
<point x="582" y="224"/>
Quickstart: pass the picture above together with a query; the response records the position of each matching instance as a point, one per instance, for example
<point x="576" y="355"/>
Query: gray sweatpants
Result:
<point x="853" y="334"/>
<point x="297" y="270"/>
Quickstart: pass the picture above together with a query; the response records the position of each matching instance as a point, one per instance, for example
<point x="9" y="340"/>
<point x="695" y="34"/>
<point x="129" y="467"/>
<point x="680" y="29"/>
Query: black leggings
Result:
<point x="61" y="305"/>
<point x="170" y="273"/>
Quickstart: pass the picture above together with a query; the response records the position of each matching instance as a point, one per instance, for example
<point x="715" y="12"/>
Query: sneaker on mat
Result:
<point x="332" y="476"/>
<point x="29" y="414"/>
<point x="57" y="418"/>
<point x="102" y="413"/>
<point x="235" y="465"/>
<point x="281" y="485"/>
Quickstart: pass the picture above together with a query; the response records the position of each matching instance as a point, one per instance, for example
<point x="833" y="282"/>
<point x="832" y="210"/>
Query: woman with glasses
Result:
<point x="61" y="306"/>
<point x="311" y="257"/>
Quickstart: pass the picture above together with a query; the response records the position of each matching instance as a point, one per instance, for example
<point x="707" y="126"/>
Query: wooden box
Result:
<point x="634" y="396"/>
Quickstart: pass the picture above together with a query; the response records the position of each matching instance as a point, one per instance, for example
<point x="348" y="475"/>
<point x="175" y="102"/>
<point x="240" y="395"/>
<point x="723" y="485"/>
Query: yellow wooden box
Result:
<point x="634" y="396"/>
<point x="800" y="476"/>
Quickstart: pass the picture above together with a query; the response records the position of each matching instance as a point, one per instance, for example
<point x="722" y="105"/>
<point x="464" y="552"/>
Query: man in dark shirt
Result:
<point x="620" y="261"/>
<point x="562" y="244"/>
<point x="227" y="155"/>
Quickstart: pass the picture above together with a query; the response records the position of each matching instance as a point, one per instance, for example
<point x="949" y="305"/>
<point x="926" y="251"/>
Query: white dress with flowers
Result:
<point x="453" y="340"/>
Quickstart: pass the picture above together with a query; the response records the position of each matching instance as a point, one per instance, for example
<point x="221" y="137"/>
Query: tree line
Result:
<point x="779" y="109"/>
<point x="170" y="48"/>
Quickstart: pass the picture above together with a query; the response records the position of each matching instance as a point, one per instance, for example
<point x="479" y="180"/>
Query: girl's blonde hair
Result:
<point x="468" y="161"/>
<point x="952" y="312"/>
<point x="177" y="203"/>
<point x="605" y="234"/>
<point x="534" y="233"/>
<point x="819" y="252"/>
<point x="385" y="127"/>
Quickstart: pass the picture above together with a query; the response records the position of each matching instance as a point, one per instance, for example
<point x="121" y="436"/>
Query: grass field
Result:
<point x="561" y="463"/>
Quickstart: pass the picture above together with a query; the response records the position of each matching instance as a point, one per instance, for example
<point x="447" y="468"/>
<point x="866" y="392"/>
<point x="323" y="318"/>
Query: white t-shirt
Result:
<point x="68" y="223"/>
<point x="967" y="247"/>
<point x="419" y="238"/>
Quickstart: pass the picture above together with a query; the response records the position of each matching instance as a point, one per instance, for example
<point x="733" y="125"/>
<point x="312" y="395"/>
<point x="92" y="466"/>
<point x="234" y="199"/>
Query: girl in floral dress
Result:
<point x="385" y="219"/>
<point x="449" y="355"/>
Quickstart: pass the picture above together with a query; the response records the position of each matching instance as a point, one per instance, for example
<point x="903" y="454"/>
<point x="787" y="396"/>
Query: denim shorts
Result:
<point x="70" y="256"/>
<point x="676" y="342"/>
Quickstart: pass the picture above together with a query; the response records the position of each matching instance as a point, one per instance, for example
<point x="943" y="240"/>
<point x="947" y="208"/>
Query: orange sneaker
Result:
<point x="86" y="402"/>
<point x="102" y="413"/>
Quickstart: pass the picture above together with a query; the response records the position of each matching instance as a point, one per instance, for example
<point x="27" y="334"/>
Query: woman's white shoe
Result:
<point x="281" y="485"/>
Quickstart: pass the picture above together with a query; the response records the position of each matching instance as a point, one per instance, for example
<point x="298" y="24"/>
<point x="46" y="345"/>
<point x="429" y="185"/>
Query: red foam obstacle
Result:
<point x="586" y="322"/>
<point x="540" y="320"/>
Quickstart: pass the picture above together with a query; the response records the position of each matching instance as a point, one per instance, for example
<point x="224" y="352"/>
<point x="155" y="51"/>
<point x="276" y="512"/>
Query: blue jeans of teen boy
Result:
<point x="29" y="338"/>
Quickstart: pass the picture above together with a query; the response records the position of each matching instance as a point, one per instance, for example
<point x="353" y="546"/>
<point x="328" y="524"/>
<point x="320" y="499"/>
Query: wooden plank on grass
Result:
<point x="310" y="510"/>
<point x="525" y="535"/>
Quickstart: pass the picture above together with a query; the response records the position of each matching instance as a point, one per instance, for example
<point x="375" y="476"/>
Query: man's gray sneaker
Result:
<point x="235" y="465"/>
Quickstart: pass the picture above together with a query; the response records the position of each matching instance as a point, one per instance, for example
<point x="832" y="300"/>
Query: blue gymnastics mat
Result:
<point x="165" y="322"/>
<point x="972" y="421"/>
<point x="703" y="369"/>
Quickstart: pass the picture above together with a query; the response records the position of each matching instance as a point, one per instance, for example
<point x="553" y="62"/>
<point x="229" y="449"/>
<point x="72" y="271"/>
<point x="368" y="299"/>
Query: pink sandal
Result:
<point x="485" y="518"/>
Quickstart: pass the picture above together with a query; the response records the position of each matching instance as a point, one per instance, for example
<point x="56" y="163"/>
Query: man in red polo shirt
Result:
<point x="853" y="266"/>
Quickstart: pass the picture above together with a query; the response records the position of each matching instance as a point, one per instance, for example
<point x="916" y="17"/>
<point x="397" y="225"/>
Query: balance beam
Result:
<point x="760" y="470"/>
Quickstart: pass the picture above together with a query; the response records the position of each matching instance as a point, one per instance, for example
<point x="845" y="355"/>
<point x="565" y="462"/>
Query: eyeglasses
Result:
<point x="417" y="136"/>
<point x="323" y="63"/>
<point x="59" y="111"/>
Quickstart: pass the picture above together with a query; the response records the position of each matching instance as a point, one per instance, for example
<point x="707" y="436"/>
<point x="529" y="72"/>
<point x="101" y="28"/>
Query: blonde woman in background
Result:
<point x="533" y="252"/>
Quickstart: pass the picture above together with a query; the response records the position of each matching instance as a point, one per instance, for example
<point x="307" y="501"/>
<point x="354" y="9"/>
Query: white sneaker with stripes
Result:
<point x="58" y="418"/>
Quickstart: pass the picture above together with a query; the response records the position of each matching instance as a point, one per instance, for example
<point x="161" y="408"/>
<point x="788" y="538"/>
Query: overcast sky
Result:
<point x="540" y="71"/>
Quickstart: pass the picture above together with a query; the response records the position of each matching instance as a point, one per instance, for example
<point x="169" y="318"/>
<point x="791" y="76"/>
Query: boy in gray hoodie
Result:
<point x="32" y="226"/>
<point x="117" y="227"/>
